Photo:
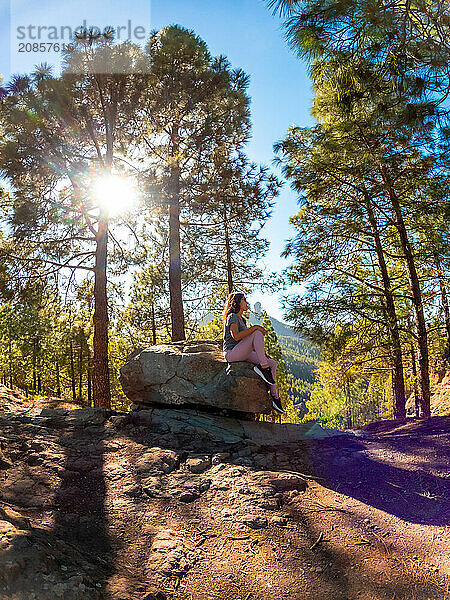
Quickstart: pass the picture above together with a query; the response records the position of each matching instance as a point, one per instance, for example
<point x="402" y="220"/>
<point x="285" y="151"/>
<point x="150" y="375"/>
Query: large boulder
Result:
<point x="193" y="374"/>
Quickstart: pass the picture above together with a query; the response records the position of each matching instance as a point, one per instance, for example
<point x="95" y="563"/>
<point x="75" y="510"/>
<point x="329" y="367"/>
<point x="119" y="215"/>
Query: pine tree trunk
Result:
<point x="397" y="359"/>
<point x="9" y="357"/>
<point x="445" y="306"/>
<point x="228" y="250"/>
<point x="89" y="381"/>
<point x="80" y="367"/>
<point x="34" y="366"/>
<point x="10" y="361"/>
<point x="100" y="362"/>
<point x="72" y="370"/>
<point x="58" y="382"/>
<point x="39" y="371"/>
<point x="349" y="404"/>
<point x="415" y="386"/>
<point x="153" y="325"/>
<point x="413" y="279"/>
<point x="176" y="296"/>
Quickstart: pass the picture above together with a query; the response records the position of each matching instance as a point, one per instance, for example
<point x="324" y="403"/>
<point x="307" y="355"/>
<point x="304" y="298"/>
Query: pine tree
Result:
<point x="145" y="319"/>
<point x="230" y="210"/>
<point x="387" y="70"/>
<point x="59" y="134"/>
<point x="192" y="94"/>
<point x="377" y="158"/>
<point x="406" y="43"/>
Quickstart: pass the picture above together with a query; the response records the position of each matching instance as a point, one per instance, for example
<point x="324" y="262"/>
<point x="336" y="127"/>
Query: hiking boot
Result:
<point x="265" y="373"/>
<point x="276" y="403"/>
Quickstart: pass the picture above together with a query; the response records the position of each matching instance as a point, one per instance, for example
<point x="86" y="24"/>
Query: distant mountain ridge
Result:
<point x="281" y="329"/>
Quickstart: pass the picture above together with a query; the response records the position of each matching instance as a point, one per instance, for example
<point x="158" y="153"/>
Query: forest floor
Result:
<point x="102" y="512"/>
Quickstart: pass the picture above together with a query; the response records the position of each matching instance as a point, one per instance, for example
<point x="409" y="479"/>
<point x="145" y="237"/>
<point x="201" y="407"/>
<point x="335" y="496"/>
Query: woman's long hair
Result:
<point x="232" y="305"/>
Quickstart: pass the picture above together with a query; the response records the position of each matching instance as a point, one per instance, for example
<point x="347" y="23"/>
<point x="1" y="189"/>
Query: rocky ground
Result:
<point x="111" y="506"/>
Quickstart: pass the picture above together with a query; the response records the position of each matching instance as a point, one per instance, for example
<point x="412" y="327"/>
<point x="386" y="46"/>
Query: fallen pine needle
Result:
<point x="363" y="542"/>
<point x="317" y="542"/>
<point x="382" y="542"/>
<point x="200" y="542"/>
<point x="327" y="510"/>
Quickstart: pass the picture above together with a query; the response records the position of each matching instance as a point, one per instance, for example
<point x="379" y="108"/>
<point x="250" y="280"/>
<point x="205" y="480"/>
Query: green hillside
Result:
<point x="301" y="359"/>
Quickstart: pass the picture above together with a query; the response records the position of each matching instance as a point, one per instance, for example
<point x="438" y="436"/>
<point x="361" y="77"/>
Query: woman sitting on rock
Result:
<point x="247" y="343"/>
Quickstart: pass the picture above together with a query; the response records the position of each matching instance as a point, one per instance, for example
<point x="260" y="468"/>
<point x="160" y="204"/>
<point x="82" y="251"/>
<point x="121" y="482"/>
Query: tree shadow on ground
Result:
<point x="69" y="520"/>
<point x="80" y="517"/>
<point x="402" y="474"/>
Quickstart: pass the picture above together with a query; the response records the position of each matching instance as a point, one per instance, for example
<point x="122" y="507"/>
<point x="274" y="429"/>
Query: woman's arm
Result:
<point x="239" y="335"/>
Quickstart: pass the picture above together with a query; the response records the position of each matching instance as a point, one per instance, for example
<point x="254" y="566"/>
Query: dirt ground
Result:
<point x="364" y="516"/>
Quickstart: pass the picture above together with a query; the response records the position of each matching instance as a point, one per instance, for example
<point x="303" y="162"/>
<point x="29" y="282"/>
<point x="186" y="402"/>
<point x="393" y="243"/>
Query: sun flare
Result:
<point x="114" y="193"/>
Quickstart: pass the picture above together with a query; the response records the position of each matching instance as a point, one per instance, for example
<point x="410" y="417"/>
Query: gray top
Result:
<point x="228" y="340"/>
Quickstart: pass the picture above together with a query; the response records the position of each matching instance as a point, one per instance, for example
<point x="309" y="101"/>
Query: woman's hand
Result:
<point x="259" y="328"/>
<point x="239" y="335"/>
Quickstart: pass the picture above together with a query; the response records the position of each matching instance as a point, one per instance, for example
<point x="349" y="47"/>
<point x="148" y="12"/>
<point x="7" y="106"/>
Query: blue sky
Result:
<point x="243" y="30"/>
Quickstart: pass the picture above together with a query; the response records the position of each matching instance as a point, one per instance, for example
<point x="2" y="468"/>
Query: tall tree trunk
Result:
<point x="72" y="370"/>
<point x="100" y="362"/>
<point x="34" y="366"/>
<point x="153" y="325"/>
<point x="445" y="306"/>
<point x="227" y="250"/>
<point x="39" y="371"/>
<point x="414" y="374"/>
<point x="10" y="360"/>
<point x="89" y="381"/>
<point x="58" y="381"/>
<point x="413" y="279"/>
<point x="397" y="359"/>
<point x="80" y="367"/>
<point x="349" y="404"/>
<point x="176" y="296"/>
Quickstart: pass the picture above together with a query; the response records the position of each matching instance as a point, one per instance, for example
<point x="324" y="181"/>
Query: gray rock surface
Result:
<point x="191" y="429"/>
<point x="193" y="374"/>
